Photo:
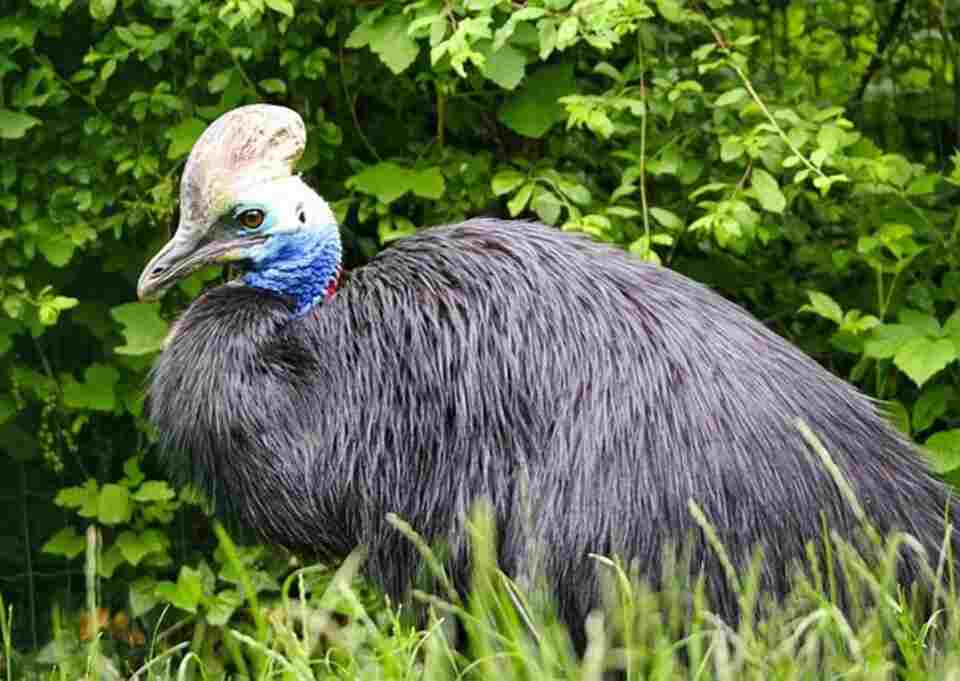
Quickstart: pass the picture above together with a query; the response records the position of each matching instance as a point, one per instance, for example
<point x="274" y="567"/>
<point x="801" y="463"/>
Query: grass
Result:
<point x="509" y="634"/>
<point x="323" y="626"/>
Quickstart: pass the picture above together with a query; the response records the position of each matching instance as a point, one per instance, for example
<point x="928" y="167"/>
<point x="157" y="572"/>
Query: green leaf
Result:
<point x="945" y="447"/>
<point x="767" y="191"/>
<point x="14" y="124"/>
<point x="7" y="409"/>
<point x="823" y="305"/>
<point x="627" y="213"/>
<point x="534" y="108"/>
<point x="856" y="322"/>
<point x="547" y="30"/>
<point x="222" y="606"/>
<point x="505" y="67"/>
<point x="731" y="149"/>
<point x="273" y="86"/>
<point x="97" y="390"/>
<point x="136" y="546"/>
<point x="931" y="405"/>
<point x="575" y="191"/>
<point x="518" y="203"/>
<point x="567" y="33"/>
<point x="102" y="9"/>
<point x="260" y="580"/>
<point x="187" y="593"/>
<point x="925" y="184"/>
<point x="886" y="340"/>
<point x="108" y="69"/>
<point x="220" y="81"/>
<point x="387" y="37"/>
<point x="143" y="596"/>
<point x="84" y="498"/>
<point x="65" y="543"/>
<point x="113" y="504"/>
<point x="671" y="10"/>
<point x="387" y="181"/>
<point x="183" y="135"/>
<point x="921" y="321"/>
<point x="830" y="138"/>
<point x="898" y="415"/>
<point x="392" y="227"/>
<point x="144" y="330"/>
<point x="20" y="28"/>
<point x="847" y="341"/>
<point x="110" y="560"/>
<point x="50" y="308"/>
<point x="284" y="7"/>
<point x="921" y="358"/>
<point x="731" y="97"/>
<point x="951" y="327"/>
<point x="8" y="329"/>
<point x="154" y="490"/>
<point x="427" y="183"/>
<point x="132" y="474"/>
<point x="63" y="302"/>
<point x="667" y="218"/>
<point x="58" y="249"/>
<point x="506" y="181"/>
<point x="546" y="205"/>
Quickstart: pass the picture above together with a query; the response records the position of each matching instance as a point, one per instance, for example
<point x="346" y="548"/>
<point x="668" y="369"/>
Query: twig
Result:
<point x="88" y="99"/>
<point x="441" y="115"/>
<point x="236" y="63"/>
<point x="28" y="556"/>
<point x="351" y="102"/>
<point x="883" y="42"/>
<point x="724" y="46"/>
<point x="643" y="145"/>
<point x="55" y="574"/>
<point x="93" y="546"/>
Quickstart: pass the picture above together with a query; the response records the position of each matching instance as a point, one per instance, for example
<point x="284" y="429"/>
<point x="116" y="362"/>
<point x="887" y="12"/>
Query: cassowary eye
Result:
<point x="251" y="219"/>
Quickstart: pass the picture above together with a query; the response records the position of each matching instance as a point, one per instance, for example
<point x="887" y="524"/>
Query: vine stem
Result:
<point x="88" y="99"/>
<point x="351" y="102"/>
<point x="722" y="44"/>
<point x="441" y="115"/>
<point x="90" y="569"/>
<point x="28" y="557"/>
<point x="643" y="145"/>
<point x="237" y="65"/>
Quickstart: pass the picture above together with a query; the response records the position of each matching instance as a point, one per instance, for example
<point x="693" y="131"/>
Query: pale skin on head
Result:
<point x="253" y="146"/>
<point x="238" y="194"/>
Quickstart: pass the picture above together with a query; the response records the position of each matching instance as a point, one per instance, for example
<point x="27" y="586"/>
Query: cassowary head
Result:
<point x="241" y="203"/>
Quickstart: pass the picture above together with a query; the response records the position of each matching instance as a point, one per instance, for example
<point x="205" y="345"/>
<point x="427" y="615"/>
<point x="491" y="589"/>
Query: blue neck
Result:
<point x="304" y="266"/>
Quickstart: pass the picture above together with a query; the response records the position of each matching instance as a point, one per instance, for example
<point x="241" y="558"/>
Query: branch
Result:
<point x="883" y="42"/>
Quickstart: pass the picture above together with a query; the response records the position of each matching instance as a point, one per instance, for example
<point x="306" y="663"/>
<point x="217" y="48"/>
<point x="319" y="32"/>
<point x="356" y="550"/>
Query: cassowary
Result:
<point x="584" y="395"/>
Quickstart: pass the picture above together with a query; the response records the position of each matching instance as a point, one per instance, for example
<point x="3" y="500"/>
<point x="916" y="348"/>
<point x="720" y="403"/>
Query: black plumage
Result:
<point x="586" y="395"/>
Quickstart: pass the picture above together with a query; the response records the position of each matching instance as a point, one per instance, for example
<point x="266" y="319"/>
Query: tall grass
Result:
<point x="326" y="629"/>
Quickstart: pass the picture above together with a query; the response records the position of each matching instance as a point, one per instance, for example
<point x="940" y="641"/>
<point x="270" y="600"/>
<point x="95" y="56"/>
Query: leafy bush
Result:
<point x="753" y="146"/>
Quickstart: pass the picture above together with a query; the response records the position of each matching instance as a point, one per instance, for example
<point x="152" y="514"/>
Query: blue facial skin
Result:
<point x="301" y="263"/>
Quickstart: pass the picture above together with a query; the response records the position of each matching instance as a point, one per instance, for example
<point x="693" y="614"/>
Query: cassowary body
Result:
<point x="585" y="395"/>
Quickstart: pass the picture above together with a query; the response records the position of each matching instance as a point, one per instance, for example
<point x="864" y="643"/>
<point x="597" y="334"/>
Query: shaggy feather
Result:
<point x="488" y="358"/>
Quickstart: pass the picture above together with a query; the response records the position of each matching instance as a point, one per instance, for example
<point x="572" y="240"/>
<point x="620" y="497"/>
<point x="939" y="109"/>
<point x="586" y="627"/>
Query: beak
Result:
<point x="183" y="255"/>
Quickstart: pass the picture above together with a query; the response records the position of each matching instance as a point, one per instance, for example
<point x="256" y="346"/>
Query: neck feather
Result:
<point x="304" y="266"/>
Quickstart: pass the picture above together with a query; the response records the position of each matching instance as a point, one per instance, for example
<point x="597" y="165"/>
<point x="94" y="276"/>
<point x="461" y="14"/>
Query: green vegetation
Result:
<point x="796" y="155"/>
<point x="322" y="625"/>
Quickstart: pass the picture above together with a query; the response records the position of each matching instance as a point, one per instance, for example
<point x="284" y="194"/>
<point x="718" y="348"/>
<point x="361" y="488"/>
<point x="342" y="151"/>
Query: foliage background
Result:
<point x="798" y="156"/>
